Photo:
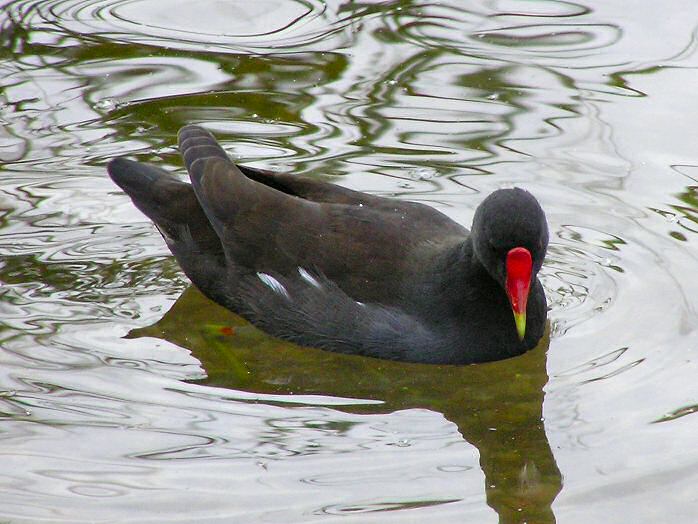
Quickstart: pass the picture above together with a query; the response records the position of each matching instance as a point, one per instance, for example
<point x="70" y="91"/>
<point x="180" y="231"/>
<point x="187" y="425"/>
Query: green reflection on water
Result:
<point x="496" y="406"/>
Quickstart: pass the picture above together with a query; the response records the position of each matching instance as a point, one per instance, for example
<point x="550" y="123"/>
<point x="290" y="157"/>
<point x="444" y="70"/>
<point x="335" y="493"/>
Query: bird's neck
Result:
<point x="460" y="274"/>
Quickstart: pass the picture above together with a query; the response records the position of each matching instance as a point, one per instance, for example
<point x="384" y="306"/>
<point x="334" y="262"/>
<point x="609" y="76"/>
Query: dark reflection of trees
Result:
<point x="497" y="407"/>
<point x="276" y="85"/>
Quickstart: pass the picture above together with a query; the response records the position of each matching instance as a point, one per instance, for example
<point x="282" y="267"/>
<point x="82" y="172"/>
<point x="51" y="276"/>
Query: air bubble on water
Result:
<point x="557" y="328"/>
<point x="422" y="173"/>
<point x="106" y="104"/>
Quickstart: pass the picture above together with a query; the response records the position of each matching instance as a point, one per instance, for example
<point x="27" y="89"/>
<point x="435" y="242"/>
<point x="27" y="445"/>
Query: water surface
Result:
<point x="126" y="396"/>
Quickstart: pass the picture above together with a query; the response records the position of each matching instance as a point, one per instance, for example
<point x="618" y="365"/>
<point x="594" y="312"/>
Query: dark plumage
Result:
<point x="328" y="267"/>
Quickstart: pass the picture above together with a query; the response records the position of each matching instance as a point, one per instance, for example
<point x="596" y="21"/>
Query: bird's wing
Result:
<point x="314" y="311"/>
<point x="272" y="222"/>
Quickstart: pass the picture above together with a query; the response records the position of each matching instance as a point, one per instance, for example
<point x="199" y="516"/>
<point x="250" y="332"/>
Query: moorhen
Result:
<point x="328" y="267"/>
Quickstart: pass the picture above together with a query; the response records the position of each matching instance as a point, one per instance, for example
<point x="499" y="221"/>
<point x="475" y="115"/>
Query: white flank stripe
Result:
<point x="310" y="279"/>
<point x="273" y="284"/>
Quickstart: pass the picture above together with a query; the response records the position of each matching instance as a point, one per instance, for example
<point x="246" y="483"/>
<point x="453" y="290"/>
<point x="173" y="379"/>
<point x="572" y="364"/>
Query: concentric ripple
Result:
<point x="217" y="25"/>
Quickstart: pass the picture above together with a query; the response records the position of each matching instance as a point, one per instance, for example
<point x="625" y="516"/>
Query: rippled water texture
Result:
<point x="128" y="397"/>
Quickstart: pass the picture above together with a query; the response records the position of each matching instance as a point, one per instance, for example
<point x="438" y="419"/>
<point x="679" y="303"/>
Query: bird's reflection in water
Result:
<point x="496" y="406"/>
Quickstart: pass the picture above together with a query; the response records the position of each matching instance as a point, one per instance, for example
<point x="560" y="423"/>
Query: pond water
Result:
<point x="127" y="396"/>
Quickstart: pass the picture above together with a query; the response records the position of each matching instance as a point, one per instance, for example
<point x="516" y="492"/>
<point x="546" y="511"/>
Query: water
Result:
<point x="126" y="396"/>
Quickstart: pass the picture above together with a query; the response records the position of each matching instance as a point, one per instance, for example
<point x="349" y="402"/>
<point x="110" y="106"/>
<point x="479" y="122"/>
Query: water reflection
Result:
<point x="223" y="26"/>
<point x="439" y="102"/>
<point x="497" y="407"/>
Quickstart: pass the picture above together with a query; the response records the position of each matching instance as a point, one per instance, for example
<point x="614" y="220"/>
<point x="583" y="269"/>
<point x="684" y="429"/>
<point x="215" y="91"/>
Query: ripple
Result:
<point x="550" y="33"/>
<point x="614" y="359"/>
<point x="218" y="25"/>
<point x="551" y="38"/>
<point x="97" y="489"/>
<point x="383" y="506"/>
<point x="677" y="413"/>
<point x="595" y="363"/>
<point x="578" y="283"/>
<point x="540" y="8"/>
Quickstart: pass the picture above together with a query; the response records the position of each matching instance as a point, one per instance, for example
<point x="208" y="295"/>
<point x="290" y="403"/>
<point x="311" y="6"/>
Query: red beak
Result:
<point x="519" y="268"/>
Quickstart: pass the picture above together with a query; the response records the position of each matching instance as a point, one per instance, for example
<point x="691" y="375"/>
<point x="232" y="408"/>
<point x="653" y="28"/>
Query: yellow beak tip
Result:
<point x="520" y="319"/>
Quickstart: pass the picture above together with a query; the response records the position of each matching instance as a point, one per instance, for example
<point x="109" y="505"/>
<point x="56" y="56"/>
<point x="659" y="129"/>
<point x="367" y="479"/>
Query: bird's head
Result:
<point x="510" y="238"/>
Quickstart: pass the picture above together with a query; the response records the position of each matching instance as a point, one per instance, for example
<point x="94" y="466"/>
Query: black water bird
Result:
<point x="328" y="267"/>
